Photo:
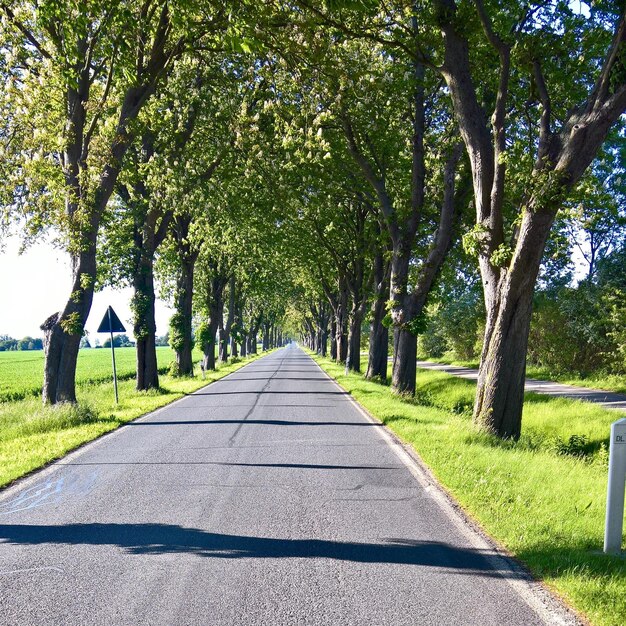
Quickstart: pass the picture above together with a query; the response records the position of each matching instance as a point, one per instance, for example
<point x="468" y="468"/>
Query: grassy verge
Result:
<point x="543" y="497"/>
<point x="32" y="435"/>
<point x="606" y="382"/>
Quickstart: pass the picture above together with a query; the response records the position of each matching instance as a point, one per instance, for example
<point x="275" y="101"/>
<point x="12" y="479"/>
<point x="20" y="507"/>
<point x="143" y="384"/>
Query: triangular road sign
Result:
<point x="111" y="323"/>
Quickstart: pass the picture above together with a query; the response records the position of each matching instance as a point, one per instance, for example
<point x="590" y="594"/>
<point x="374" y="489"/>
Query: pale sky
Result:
<point x="37" y="283"/>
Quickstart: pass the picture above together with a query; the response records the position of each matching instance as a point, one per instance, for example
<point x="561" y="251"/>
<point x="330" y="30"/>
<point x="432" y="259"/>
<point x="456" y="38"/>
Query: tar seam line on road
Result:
<point x="231" y="441"/>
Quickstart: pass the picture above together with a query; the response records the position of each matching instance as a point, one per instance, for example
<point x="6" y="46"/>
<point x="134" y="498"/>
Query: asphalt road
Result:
<point x="265" y="498"/>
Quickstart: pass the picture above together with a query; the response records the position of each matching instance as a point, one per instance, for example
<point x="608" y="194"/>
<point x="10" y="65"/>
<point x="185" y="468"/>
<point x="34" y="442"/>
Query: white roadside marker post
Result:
<point x="615" y="489"/>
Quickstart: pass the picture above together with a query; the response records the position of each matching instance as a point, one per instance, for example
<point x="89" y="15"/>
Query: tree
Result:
<point x="119" y="341"/>
<point x="587" y="109"/>
<point x="74" y="76"/>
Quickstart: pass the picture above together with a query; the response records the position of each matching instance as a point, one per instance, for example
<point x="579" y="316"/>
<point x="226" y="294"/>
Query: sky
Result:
<point x="37" y="283"/>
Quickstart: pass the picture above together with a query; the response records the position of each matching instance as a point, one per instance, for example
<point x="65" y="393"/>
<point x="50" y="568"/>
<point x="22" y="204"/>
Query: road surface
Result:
<point x="266" y="498"/>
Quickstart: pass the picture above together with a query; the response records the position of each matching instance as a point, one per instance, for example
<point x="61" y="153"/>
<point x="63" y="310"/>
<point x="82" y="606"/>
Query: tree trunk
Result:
<point x="63" y="331"/>
<point x="209" y="349"/>
<point x="147" y="368"/>
<point x="379" y="342"/>
<point x="225" y="330"/>
<point x="341" y="332"/>
<point x="333" y="339"/>
<point x="500" y="391"/>
<point x="324" y="342"/>
<point x="184" y="308"/>
<point x="379" y="333"/>
<point x="144" y="325"/>
<point x="223" y="344"/>
<point x="404" y="358"/>
<point x="353" y="360"/>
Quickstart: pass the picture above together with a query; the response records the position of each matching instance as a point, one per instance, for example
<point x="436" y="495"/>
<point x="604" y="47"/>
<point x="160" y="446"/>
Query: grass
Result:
<point x="32" y="435"/>
<point x="596" y="380"/>
<point x="543" y="497"/>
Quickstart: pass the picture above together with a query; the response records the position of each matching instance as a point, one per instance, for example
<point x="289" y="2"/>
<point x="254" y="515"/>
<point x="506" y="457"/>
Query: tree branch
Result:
<point x="602" y="87"/>
<point x="544" y="97"/>
<point x="98" y="114"/>
<point x="377" y="184"/>
<point x="31" y="38"/>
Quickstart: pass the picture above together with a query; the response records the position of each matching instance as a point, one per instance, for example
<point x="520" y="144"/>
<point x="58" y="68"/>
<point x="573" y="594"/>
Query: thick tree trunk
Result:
<point x="324" y="341"/>
<point x="379" y="333"/>
<point x="404" y="359"/>
<point x="244" y="346"/>
<point x="144" y="326"/>
<point x="184" y="307"/>
<point x="63" y="332"/>
<point x="500" y="391"/>
<point x="209" y="352"/>
<point x="379" y="342"/>
<point x="353" y="358"/>
<point x="147" y="368"/>
<point x="234" y="350"/>
<point x="333" y="339"/>
<point x="215" y="308"/>
<point x="223" y="344"/>
<point x="208" y="348"/>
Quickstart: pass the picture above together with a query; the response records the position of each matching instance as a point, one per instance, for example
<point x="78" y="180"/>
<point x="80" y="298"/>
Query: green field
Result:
<point x="21" y="373"/>
<point x="542" y="497"/>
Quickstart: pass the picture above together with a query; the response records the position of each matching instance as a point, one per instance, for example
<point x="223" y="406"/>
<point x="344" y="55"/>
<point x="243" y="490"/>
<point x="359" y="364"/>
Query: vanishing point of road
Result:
<point x="266" y="498"/>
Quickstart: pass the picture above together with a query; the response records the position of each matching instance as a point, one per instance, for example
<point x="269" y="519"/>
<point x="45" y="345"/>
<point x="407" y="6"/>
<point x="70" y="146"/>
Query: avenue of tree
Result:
<point x="315" y="169"/>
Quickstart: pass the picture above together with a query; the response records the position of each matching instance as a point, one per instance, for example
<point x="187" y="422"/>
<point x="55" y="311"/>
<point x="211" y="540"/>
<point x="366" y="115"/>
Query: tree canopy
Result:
<point x="322" y="170"/>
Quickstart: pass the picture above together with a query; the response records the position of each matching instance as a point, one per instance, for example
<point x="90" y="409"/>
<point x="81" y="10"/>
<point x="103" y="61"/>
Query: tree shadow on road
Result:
<point x="156" y="539"/>
<point x="259" y="422"/>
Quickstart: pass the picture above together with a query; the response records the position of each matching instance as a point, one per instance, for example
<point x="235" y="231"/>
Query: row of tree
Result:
<point x="27" y="343"/>
<point x="305" y="165"/>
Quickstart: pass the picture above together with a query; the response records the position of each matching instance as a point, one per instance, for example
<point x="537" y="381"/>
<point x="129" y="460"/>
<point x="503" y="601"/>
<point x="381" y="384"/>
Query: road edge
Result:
<point x="543" y="600"/>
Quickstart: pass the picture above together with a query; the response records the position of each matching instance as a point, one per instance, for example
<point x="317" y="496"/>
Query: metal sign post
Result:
<point x="111" y="324"/>
<point x="615" y="489"/>
<point x="113" y="357"/>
